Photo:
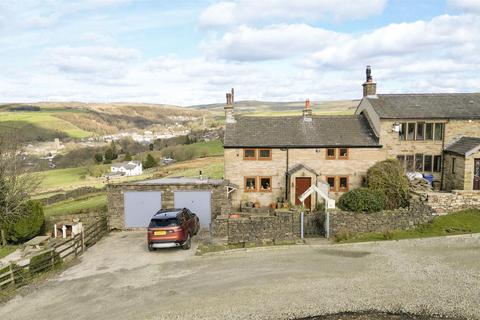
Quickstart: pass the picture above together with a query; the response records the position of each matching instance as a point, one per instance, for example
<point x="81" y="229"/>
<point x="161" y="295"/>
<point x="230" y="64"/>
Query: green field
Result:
<point x="89" y="202"/>
<point x="462" y="222"/>
<point x="206" y="149"/>
<point x="42" y="121"/>
<point x="214" y="171"/>
<point x="61" y="178"/>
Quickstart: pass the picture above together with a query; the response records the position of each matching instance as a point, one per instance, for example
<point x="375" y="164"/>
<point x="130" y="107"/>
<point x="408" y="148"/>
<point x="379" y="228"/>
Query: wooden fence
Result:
<point x="16" y="275"/>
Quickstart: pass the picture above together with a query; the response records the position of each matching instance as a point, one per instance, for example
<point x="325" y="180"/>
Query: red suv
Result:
<point x="172" y="228"/>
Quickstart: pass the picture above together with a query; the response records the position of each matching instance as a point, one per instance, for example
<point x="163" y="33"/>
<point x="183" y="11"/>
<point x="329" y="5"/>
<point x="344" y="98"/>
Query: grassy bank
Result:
<point x="89" y="202"/>
<point x="5" y="251"/>
<point x="462" y="222"/>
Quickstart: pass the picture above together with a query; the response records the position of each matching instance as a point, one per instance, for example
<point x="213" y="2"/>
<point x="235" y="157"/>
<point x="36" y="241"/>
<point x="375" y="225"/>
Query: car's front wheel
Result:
<point x="150" y="247"/>
<point x="187" y="244"/>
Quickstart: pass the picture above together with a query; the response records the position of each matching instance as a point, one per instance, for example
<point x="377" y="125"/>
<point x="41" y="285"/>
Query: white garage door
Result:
<point x="199" y="202"/>
<point x="140" y="206"/>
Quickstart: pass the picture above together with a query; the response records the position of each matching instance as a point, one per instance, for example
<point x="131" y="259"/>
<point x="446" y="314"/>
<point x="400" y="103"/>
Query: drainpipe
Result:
<point x="287" y="185"/>
<point x="442" y="155"/>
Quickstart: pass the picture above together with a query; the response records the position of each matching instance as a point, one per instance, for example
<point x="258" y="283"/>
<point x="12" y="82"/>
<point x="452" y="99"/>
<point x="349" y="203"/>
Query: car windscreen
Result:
<point x="158" y="223"/>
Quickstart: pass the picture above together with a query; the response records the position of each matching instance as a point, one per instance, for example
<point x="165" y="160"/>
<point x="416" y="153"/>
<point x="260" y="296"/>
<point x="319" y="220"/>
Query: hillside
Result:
<point x="45" y="121"/>
<point x="264" y="108"/>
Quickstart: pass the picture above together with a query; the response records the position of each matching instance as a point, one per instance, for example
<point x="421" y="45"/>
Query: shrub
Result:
<point x="28" y="225"/>
<point x="363" y="200"/>
<point x="98" y="157"/>
<point x="388" y="177"/>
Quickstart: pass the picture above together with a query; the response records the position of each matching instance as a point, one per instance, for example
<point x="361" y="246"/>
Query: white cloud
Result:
<point x="469" y="6"/>
<point x="273" y="42"/>
<point x="228" y="13"/>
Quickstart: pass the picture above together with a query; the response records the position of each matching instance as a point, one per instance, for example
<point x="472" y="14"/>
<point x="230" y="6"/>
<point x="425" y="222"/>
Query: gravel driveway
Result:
<point x="119" y="279"/>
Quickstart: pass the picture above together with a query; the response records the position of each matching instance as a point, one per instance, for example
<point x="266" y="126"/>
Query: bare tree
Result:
<point x="16" y="183"/>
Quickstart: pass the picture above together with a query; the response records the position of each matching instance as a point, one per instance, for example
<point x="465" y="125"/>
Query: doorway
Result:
<point x="476" y="175"/>
<point x="301" y="185"/>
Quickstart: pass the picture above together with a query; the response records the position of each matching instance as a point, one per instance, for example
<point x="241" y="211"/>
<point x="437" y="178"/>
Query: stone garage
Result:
<point x="131" y="205"/>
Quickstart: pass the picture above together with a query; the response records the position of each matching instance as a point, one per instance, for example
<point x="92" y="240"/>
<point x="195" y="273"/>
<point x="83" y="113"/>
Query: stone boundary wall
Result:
<point x="446" y="202"/>
<point x="70" y="195"/>
<point x="258" y="229"/>
<point x="399" y="219"/>
<point x="278" y="227"/>
<point x="86" y="218"/>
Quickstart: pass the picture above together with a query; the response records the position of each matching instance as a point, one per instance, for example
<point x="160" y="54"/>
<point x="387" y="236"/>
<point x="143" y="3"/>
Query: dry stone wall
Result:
<point x="447" y="202"/>
<point x="399" y="219"/>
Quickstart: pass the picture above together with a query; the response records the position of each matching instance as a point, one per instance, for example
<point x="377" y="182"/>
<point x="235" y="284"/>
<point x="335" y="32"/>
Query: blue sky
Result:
<point x="191" y="52"/>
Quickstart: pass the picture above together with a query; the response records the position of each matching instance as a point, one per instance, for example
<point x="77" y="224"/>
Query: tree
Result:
<point x="150" y="147"/>
<point x="16" y="184"/>
<point x="128" y="156"/>
<point x="98" y="157"/>
<point x="150" y="162"/>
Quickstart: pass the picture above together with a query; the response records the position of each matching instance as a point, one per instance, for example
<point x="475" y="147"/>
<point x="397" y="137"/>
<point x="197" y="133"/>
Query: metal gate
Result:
<point x="140" y="206"/>
<point x="199" y="202"/>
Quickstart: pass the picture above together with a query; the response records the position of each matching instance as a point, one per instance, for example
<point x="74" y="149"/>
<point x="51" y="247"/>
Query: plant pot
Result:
<point x="257" y="205"/>
<point x="273" y="205"/>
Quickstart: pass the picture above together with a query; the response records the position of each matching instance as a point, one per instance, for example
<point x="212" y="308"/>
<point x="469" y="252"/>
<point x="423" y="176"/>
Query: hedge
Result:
<point x="363" y="200"/>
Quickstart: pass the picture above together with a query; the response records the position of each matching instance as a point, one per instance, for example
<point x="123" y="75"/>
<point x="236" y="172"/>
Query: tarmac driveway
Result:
<point x="119" y="279"/>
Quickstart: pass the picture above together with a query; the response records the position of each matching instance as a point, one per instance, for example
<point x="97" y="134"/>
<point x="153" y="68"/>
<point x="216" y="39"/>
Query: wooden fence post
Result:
<point x="83" y="240"/>
<point x="12" y="275"/>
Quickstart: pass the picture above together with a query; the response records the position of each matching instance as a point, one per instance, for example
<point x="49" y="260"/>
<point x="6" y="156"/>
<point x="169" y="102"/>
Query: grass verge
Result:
<point x="72" y="206"/>
<point x="5" y="251"/>
<point x="462" y="222"/>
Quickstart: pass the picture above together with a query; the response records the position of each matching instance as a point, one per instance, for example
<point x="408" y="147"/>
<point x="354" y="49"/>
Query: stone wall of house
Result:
<point x="447" y="202"/>
<point x="454" y="179"/>
<point x="115" y="198"/>
<point x="400" y="219"/>
<point x="236" y="169"/>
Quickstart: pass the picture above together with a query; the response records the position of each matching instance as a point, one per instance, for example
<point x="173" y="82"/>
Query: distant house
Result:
<point x="130" y="168"/>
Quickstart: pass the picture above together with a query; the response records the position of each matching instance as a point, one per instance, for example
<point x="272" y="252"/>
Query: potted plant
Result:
<point x="257" y="204"/>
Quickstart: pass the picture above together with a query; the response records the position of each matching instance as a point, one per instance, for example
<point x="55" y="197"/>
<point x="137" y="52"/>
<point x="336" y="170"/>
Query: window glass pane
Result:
<point x="403" y="130"/>
<point x="249" y="153"/>
<point x="401" y="159"/>
<point x="411" y="131"/>
<point x="427" y="166"/>
<point x="438" y="131"/>
<point x="437" y="163"/>
<point x="264" y="153"/>
<point x="331" y="153"/>
<point x="343" y="183"/>
<point x="420" y="131"/>
<point x="453" y="165"/>
<point x="265" y="184"/>
<point x="429" y="131"/>
<point x="250" y="183"/>
<point x="410" y="163"/>
<point x="331" y="182"/>
<point x="343" y="153"/>
<point x="419" y="162"/>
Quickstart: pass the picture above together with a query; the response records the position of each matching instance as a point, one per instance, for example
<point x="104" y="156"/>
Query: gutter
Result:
<point x="287" y="185"/>
<point x="443" y="156"/>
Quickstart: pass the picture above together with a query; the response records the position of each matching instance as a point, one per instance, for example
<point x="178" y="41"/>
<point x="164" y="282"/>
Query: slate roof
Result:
<point x="294" y="131"/>
<point x="464" y="146"/>
<point x="432" y="106"/>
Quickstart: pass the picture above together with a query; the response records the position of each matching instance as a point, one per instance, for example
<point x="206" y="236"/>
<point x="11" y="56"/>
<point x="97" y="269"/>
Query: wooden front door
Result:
<point x="476" y="175"/>
<point x="301" y="185"/>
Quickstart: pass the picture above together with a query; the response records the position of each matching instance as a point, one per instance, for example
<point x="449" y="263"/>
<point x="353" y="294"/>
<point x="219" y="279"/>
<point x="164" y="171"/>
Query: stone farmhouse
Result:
<point x="272" y="159"/>
<point x="129" y="168"/>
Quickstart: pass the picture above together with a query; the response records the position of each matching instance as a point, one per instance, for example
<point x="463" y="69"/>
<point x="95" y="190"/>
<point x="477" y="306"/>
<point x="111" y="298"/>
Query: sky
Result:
<point x="187" y="52"/>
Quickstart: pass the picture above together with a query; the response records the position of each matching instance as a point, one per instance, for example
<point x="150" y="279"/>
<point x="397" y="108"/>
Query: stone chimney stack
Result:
<point x="369" y="87"/>
<point x="307" y="112"/>
<point x="229" y="118"/>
